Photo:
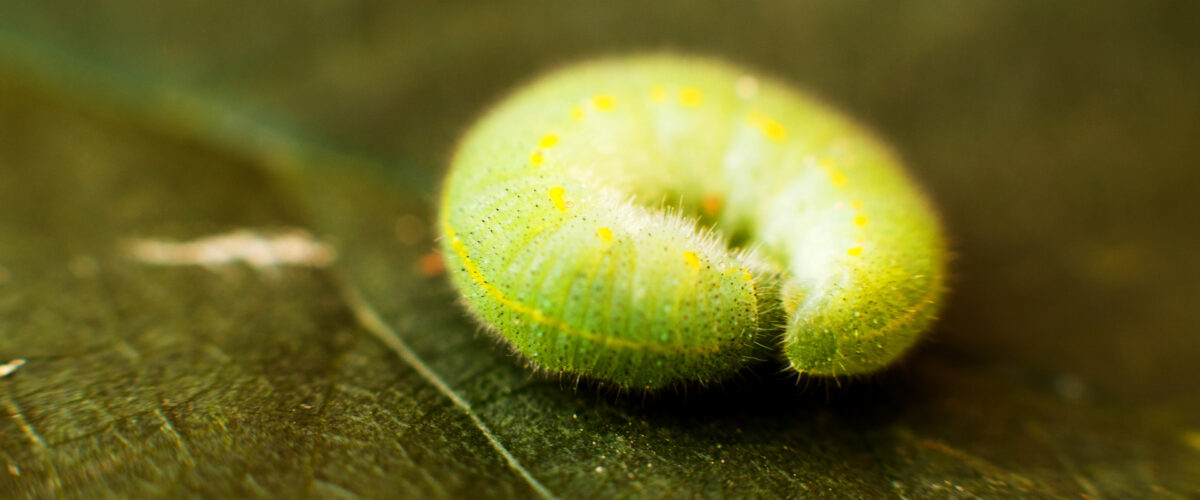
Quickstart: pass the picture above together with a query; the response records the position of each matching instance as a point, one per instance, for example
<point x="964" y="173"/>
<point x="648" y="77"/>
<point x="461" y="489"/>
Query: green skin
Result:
<point x="554" y="231"/>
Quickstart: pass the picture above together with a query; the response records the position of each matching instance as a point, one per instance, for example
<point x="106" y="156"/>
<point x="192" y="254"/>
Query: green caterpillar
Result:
<point x="554" y="228"/>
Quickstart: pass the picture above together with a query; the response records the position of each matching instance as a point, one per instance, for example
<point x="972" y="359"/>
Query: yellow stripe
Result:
<point x="536" y="315"/>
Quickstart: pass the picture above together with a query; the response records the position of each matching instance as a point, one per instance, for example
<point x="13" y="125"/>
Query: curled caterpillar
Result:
<point x="555" y="233"/>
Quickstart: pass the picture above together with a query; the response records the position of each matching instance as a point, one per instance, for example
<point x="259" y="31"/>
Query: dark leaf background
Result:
<point x="1059" y="138"/>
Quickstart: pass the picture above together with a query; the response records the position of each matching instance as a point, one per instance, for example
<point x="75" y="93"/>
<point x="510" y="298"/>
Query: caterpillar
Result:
<point x="656" y="219"/>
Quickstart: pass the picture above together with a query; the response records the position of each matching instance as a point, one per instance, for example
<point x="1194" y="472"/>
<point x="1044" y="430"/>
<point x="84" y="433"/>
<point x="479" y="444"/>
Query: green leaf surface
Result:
<point x="1060" y="144"/>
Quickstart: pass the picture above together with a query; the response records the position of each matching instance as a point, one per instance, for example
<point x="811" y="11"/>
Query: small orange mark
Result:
<point x="690" y="96"/>
<point x="604" y="102"/>
<point x="556" y="195"/>
<point x="548" y="141"/>
<point x="605" y="234"/>
<point x="537" y="158"/>
<point x="692" y="260"/>
<point x="860" y="220"/>
<point x="838" y="179"/>
<point x="577" y="113"/>
<point x="658" y="93"/>
<point x="712" y="204"/>
<point x="431" y="264"/>
<point x="854" y="252"/>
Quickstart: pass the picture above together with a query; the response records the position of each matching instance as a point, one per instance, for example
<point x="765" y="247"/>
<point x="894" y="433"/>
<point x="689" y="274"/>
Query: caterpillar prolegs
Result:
<point x="654" y="219"/>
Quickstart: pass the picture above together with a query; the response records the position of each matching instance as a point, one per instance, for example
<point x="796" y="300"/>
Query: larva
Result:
<point x="554" y="229"/>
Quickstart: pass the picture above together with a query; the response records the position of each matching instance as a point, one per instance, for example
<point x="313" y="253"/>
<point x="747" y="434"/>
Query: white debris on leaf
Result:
<point x="11" y="366"/>
<point x="290" y="247"/>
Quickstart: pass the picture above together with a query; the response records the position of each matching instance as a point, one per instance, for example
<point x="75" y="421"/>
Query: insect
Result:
<point x="649" y="220"/>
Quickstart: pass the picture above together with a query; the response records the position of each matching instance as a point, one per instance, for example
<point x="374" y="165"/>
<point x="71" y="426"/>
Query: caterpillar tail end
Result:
<point x="860" y="332"/>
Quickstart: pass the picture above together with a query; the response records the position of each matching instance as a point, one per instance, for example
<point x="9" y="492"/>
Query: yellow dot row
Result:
<point x="599" y="102"/>
<point x="539" y="155"/>
<point x="690" y="97"/>
<point x="839" y="180"/>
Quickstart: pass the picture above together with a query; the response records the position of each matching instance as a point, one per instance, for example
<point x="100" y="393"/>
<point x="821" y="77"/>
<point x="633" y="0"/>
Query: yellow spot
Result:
<point x="690" y="96"/>
<point x="712" y="204"/>
<point x="856" y="204"/>
<point x="854" y="252"/>
<point x="548" y="141"/>
<point x="692" y="260"/>
<point x="604" y="102"/>
<point x="838" y="179"/>
<point x="537" y="158"/>
<point x="605" y="234"/>
<point x="658" y="93"/>
<point x="556" y="195"/>
<point x="774" y="130"/>
<point x="860" y="220"/>
<point x="577" y="113"/>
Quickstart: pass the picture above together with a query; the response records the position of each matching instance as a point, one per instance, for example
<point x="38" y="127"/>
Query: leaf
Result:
<point x="1061" y="368"/>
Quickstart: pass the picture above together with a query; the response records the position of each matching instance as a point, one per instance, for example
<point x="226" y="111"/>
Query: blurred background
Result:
<point x="1059" y="139"/>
